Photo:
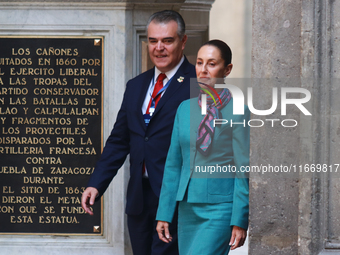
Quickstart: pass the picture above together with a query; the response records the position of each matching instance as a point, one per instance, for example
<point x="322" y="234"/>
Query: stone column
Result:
<point x="274" y="201"/>
<point x="299" y="41"/>
<point x="319" y="207"/>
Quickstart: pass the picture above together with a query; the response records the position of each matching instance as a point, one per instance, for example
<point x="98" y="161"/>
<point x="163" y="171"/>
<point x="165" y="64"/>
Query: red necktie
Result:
<point x="157" y="88"/>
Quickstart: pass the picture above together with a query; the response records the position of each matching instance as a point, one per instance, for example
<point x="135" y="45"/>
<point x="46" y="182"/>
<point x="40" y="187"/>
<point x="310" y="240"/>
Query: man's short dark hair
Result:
<point x="167" y="16"/>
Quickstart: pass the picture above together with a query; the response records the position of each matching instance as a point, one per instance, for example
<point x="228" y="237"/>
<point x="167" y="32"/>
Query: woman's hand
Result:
<point x="238" y="237"/>
<point x="163" y="231"/>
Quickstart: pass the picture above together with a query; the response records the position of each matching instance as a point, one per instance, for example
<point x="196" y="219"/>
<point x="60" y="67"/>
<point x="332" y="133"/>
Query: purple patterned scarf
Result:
<point x="206" y="128"/>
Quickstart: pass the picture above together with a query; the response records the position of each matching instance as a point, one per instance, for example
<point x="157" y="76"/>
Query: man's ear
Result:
<point x="184" y="41"/>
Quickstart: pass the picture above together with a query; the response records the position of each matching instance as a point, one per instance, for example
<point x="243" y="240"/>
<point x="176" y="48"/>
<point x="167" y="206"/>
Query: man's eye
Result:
<point x="198" y="63"/>
<point x="168" y="41"/>
<point x="152" y="41"/>
<point x="212" y="64"/>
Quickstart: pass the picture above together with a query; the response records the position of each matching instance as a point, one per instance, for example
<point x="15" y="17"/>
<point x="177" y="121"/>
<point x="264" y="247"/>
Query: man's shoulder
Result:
<point x="188" y="68"/>
<point x="145" y="75"/>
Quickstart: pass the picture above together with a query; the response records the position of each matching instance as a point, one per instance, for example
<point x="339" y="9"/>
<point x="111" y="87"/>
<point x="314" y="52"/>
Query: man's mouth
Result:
<point x="161" y="56"/>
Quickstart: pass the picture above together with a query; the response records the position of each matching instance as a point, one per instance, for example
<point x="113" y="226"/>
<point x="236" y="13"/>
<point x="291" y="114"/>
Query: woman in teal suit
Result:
<point x="204" y="171"/>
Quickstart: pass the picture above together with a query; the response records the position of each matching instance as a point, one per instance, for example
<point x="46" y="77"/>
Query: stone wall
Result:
<point x="295" y="45"/>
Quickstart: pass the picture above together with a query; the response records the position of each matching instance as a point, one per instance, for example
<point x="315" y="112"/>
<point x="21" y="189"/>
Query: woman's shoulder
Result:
<point x="186" y="109"/>
<point x="185" y="105"/>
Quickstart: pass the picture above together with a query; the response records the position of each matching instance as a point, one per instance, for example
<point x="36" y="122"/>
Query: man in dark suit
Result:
<point x="143" y="130"/>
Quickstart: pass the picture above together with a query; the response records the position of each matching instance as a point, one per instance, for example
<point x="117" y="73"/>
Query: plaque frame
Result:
<point x="101" y="38"/>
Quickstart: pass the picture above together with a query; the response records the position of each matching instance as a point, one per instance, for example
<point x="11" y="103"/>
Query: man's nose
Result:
<point x="160" y="45"/>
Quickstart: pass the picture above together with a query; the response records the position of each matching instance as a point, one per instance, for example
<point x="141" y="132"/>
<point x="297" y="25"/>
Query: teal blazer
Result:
<point x="187" y="170"/>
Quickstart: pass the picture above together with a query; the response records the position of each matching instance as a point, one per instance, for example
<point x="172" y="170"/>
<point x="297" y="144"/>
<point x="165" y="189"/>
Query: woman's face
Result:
<point x="210" y="65"/>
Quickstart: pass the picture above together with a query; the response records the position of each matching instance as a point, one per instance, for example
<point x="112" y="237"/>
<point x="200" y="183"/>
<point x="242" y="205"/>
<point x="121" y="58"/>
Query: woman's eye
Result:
<point x="198" y="63"/>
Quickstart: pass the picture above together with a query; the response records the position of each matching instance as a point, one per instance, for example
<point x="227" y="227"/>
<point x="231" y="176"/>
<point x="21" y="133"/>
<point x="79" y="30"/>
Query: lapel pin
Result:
<point x="180" y="79"/>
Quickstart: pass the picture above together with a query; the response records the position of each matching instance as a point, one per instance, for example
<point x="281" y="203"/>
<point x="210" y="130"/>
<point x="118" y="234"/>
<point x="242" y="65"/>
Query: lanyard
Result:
<point x="153" y="99"/>
<point x="146" y="116"/>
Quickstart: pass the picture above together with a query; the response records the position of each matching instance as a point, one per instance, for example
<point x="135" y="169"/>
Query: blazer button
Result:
<point x="146" y="139"/>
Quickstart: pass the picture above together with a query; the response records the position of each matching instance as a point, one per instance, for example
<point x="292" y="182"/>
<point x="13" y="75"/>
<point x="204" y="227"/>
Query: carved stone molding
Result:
<point x="319" y="218"/>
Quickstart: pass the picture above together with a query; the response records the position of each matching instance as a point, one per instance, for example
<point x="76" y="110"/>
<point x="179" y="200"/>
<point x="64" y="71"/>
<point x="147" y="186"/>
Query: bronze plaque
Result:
<point x="50" y="133"/>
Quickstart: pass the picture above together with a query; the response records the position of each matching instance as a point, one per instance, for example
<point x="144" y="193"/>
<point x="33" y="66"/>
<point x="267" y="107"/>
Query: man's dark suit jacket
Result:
<point x="149" y="144"/>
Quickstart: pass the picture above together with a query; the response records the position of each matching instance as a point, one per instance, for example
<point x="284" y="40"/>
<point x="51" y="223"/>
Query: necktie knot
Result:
<point x="161" y="77"/>
<point x="158" y="85"/>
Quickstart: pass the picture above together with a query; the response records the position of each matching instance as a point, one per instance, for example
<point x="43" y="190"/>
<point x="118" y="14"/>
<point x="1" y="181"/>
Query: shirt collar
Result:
<point x="170" y="73"/>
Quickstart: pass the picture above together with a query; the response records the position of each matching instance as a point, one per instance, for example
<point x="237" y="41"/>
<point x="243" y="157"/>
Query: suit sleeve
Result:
<point x="172" y="173"/>
<point x="116" y="149"/>
<point x="241" y="144"/>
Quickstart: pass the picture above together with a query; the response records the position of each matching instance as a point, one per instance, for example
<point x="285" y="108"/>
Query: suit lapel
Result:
<point x="141" y="94"/>
<point x="176" y="83"/>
